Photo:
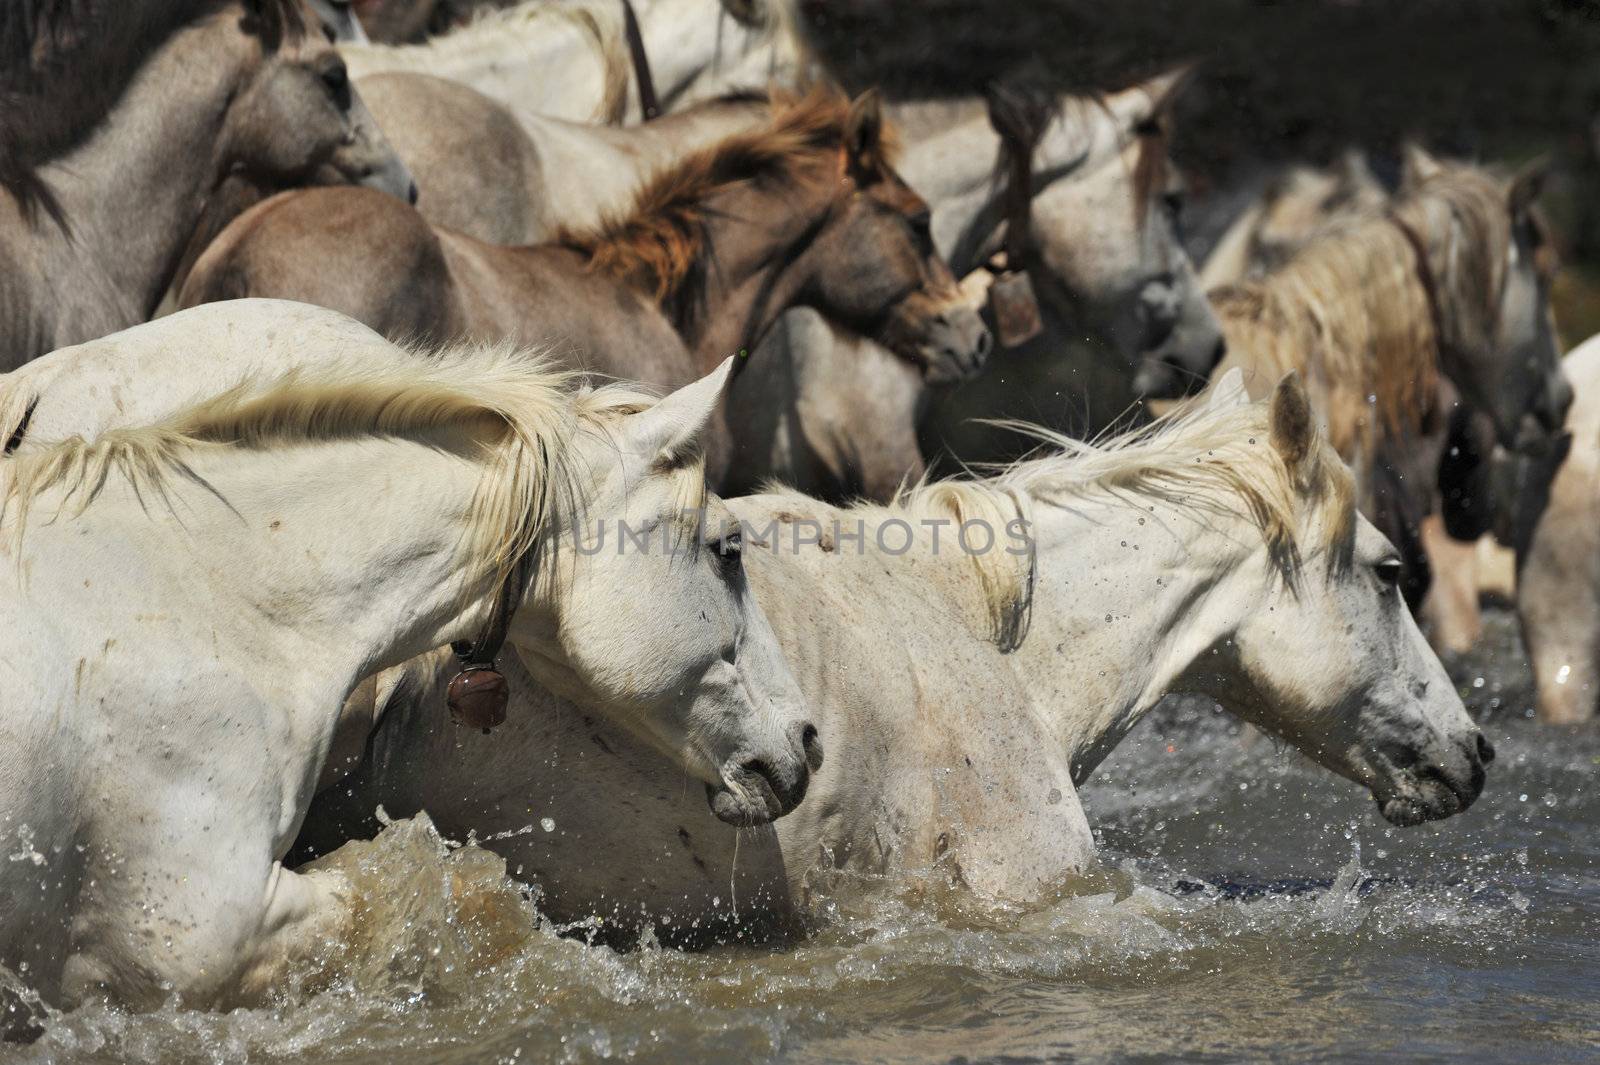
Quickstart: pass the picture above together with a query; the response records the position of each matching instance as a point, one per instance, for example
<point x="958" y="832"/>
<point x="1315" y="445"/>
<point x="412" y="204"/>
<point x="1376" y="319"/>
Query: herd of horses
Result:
<point x="331" y="363"/>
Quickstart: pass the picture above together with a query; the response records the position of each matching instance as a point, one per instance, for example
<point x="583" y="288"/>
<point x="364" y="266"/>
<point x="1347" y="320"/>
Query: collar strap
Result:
<point x="649" y="103"/>
<point x="478" y="695"/>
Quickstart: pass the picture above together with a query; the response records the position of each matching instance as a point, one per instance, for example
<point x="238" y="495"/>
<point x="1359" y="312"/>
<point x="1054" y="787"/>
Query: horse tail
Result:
<point x="611" y="49"/>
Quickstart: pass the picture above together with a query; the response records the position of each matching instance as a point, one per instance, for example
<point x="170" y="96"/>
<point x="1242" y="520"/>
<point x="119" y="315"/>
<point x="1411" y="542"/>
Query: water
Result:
<point x="1250" y="907"/>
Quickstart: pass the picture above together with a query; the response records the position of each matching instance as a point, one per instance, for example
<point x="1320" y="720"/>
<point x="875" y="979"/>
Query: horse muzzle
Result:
<point x="1432" y="789"/>
<point x="757" y="791"/>
<point x="950" y="345"/>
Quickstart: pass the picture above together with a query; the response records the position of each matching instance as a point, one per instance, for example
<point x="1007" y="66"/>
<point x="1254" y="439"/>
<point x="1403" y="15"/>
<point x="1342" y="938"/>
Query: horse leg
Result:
<point x="189" y="902"/>
<point x="1451" y="608"/>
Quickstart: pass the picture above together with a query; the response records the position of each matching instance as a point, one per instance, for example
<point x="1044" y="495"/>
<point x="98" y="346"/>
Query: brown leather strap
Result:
<point x="1425" y="277"/>
<point x="482" y="652"/>
<point x="649" y="104"/>
<point x="1020" y="118"/>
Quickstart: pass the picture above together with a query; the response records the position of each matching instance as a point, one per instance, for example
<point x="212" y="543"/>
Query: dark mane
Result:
<point x="660" y="244"/>
<point x="64" y="65"/>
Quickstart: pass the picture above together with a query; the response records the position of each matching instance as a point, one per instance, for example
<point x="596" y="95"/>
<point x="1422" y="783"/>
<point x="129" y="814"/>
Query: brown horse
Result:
<point x="806" y="210"/>
<point x="234" y="87"/>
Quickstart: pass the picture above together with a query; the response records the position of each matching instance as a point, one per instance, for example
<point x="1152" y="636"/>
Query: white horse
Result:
<point x="1558" y="547"/>
<point x="1220" y="553"/>
<point x="569" y="59"/>
<point x="191" y="602"/>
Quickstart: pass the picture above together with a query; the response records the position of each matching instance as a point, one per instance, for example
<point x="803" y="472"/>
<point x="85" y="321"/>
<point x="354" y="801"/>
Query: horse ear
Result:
<point x="863" y="132"/>
<point x="1164" y="89"/>
<point x="1417" y="166"/>
<point x="669" y="435"/>
<point x="1229" y="392"/>
<point x="1289" y="415"/>
<point x="1354" y="173"/>
<point x="1527" y="185"/>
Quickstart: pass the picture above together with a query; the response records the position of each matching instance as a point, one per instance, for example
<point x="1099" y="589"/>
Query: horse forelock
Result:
<point x="1464" y="217"/>
<point x="1152" y="166"/>
<point x="660" y="245"/>
<point x="524" y="406"/>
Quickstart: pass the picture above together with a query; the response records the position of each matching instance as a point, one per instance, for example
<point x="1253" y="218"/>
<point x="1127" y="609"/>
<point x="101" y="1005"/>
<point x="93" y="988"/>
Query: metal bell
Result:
<point x="477" y="697"/>
<point x="1015" y="307"/>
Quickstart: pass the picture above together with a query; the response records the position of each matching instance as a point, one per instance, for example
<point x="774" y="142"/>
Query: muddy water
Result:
<point x="1250" y="907"/>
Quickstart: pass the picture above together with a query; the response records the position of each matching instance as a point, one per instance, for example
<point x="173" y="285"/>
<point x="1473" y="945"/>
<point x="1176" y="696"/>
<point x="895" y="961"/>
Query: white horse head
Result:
<point x="665" y="639"/>
<point x="1330" y="659"/>
<point x="655" y="619"/>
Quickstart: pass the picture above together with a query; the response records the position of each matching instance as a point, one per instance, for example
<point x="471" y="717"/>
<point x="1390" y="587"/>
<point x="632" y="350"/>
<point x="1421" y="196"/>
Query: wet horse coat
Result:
<point x="165" y="731"/>
<point x="1222" y="556"/>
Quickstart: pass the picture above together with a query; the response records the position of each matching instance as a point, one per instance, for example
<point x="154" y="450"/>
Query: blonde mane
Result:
<point x="1201" y="459"/>
<point x="509" y="32"/>
<point x="660" y="244"/>
<point x="525" y="409"/>
<point x="1350" y="312"/>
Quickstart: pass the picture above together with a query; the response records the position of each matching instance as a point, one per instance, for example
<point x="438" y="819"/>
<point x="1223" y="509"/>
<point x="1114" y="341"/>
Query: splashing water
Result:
<point x="1248" y="905"/>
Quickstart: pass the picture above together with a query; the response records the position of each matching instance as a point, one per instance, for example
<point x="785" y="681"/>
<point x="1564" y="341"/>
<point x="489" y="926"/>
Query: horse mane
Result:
<point x="598" y="21"/>
<point x="525" y="405"/>
<point x="1199" y="459"/>
<point x="65" y="64"/>
<point x="660" y="245"/>
<point x="1350" y="312"/>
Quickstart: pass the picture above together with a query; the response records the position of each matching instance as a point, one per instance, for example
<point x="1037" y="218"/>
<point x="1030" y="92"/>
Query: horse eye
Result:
<point x="730" y="550"/>
<point x="1388" y="571"/>
<point x="1173" y="202"/>
<point x="921" y="224"/>
<point x="336" y="77"/>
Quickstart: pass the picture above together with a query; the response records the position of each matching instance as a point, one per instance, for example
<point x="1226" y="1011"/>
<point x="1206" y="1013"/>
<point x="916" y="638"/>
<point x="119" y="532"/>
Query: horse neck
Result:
<point x="1131" y="595"/>
<point x="955" y="171"/>
<point x="756" y="264"/>
<point x="358" y="588"/>
<point x="132" y="193"/>
<point x="693" y="47"/>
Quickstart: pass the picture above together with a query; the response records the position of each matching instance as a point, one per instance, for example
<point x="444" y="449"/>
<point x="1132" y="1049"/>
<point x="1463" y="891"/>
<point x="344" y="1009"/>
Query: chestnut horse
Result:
<point x="805" y="211"/>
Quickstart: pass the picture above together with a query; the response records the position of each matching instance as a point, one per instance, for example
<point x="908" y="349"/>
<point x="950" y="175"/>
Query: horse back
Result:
<point x="353" y="250"/>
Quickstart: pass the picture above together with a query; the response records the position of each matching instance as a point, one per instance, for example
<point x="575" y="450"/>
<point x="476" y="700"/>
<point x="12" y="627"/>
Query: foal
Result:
<point x="805" y="211"/>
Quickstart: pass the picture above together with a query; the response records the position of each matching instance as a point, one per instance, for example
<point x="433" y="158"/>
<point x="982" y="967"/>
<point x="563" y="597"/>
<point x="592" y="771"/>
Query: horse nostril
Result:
<point x="757" y="767"/>
<point x="1485" y="750"/>
<point x="412" y="194"/>
<point x="985" y="343"/>
<point x="1219" y="350"/>
<point x="811" y="745"/>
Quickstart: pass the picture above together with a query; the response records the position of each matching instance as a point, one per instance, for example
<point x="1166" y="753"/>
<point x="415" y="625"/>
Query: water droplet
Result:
<point x="547" y="823"/>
